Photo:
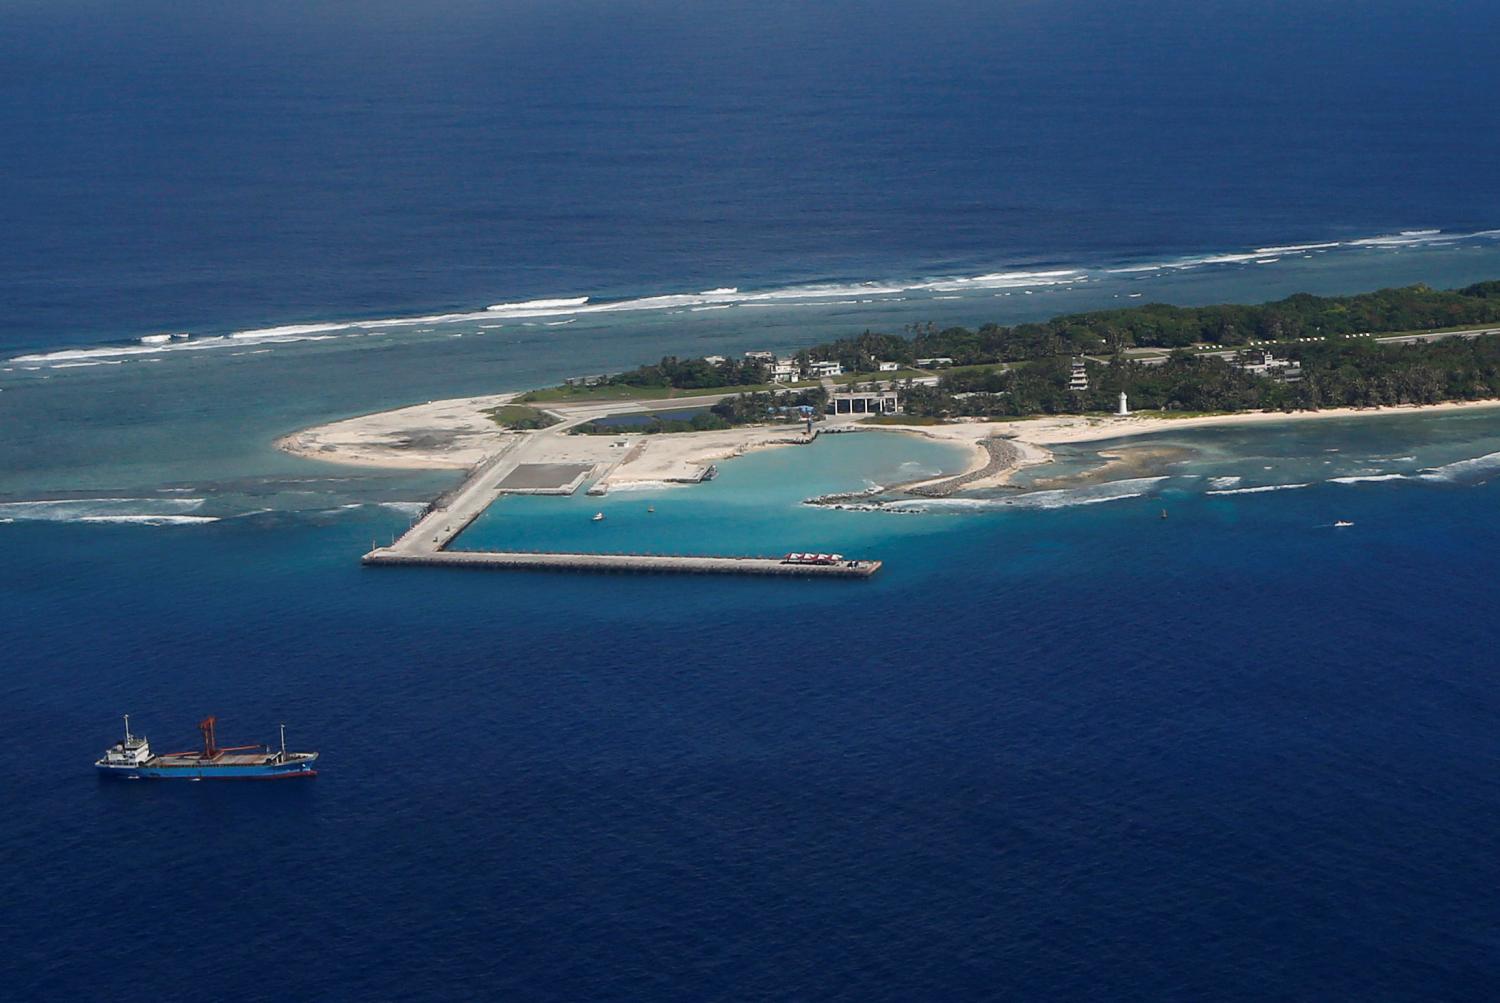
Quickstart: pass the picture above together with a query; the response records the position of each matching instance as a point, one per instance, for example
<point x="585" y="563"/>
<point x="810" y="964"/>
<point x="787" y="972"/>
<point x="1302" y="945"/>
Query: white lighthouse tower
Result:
<point x="1124" y="405"/>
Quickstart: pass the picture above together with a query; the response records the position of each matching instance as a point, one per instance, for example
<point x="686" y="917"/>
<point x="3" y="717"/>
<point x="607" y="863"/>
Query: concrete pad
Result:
<point x="544" y="478"/>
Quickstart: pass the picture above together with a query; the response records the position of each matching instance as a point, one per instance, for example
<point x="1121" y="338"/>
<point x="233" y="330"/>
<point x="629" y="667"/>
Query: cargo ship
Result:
<point x="131" y="758"/>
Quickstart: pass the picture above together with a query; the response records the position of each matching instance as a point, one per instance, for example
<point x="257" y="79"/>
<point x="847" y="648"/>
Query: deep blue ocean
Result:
<point x="1059" y="748"/>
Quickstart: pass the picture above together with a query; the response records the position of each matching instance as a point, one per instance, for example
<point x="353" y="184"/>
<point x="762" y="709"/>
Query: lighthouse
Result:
<point x="1124" y="405"/>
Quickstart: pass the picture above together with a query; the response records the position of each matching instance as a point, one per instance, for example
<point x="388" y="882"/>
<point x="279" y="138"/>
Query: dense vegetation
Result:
<point x="1336" y="373"/>
<point x="1030" y="362"/>
<point x="694" y="374"/>
<point x="746" y="408"/>
<point x="1412" y="308"/>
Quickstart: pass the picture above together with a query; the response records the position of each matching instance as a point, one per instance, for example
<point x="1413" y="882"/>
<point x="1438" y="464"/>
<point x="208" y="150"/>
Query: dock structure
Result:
<point x="624" y="563"/>
<point x="521" y="468"/>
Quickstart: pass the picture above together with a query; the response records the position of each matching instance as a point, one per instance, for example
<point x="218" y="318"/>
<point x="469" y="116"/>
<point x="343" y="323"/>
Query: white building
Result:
<point x="824" y="370"/>
<point x="766" y="357"/>
<point x="937" y="362"/>
<point x="1079" y="380"/>
<point x="785" y="371"/>
<point x="864" y="402"/>
<point x="1260" y="362"/>
<point x="714" y="360"/>
<point x="1124" y="405"/>
<point x="887" y="367"/>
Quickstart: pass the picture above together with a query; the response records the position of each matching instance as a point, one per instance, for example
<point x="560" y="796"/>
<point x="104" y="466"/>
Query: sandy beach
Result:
<point x="437" y="435"/>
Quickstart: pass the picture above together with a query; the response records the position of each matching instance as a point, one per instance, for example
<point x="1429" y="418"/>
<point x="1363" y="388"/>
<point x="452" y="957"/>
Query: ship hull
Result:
<point x="212" y="771"/>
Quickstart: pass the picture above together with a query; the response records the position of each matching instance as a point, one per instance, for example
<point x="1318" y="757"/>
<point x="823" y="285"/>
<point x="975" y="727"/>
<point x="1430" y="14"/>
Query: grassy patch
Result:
<point x="520" y="418"/>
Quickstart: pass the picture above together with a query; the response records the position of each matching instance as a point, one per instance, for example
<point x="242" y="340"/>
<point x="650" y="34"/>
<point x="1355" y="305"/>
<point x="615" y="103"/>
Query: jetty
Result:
<point x="521" y="467"/>
<point x="524" y="560"/>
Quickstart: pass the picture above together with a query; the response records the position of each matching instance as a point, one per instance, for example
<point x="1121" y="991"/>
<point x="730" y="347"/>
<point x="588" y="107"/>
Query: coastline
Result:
<point x="457" y="434"/>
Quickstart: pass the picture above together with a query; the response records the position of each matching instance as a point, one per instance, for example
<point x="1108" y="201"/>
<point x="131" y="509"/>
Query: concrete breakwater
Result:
<point x="525" y="469"/>
<point x="630" y="563"/>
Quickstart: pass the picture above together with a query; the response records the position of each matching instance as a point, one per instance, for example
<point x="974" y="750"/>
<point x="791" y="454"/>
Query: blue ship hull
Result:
<point x="211" y="771"/>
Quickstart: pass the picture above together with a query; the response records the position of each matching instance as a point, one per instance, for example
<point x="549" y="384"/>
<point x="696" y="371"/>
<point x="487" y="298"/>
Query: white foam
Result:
<point x="1463" y="469"/>
<point x="150" y="520"/>
<point x="1405" y="238"/>
<point x="999" y="283"/>
<point x="1367" y="478"/>
<point x="530" y="305"/>
<point x="1260" y="489"/>
<point x="145" y="511"/>
<point x="1224" y="482"/>
<point x="61" y="358"/>
<point x="405" y="508"/>
<point x="1293" y="248"/>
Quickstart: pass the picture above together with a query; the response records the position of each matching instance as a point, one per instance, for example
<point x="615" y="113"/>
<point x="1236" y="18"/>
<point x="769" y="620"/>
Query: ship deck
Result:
<point x="222" y="759"/>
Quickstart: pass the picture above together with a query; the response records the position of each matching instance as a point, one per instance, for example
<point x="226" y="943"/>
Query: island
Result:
<point x="1005" y="393"/>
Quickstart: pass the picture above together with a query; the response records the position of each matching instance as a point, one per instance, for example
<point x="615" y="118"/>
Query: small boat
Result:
<point x="1163" y="513"/>
<point x="598" y="517"/>
<point x="650" y="508"/>
<point x="1342" y="523"/>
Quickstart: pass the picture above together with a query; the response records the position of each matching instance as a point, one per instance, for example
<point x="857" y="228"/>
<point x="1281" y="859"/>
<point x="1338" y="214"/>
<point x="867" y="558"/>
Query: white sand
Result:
<point x="457" y="433"/>
<point x="440" y="435"/>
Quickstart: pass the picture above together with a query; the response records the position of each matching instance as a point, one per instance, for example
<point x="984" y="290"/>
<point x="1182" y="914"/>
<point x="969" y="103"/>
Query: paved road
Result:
<point x="457" y="509"/>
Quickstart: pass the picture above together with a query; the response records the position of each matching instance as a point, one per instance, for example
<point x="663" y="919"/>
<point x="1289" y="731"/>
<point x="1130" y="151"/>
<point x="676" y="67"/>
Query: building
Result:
<point x="785" y="371"/>
<point x="714" y="360"/>
<point x="887" y="367"/>
<point x="586" y="381"/>
<point x="864" y="402"/>
<point x="1079" y="380"/>
<point x="824" y="370"/>
<point x="937" y="362"/>
<point x="1124" y="405"/>
<point x="766" y="357"/>
<point x="1260" y="362"/>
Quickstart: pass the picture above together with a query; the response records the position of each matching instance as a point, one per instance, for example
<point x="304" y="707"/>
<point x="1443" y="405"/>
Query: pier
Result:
<point x="624" y="563"/>
<point x="521" y="468"/>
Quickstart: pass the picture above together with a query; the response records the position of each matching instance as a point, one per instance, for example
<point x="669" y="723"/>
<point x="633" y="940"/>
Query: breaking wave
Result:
<point x="526" y="306"/>
<point x="138" y="511"/>
<point x="1367" y="478"/>
<point x="1259" y="489"/>
<point x="1463" y="470"/>
<point x="807" y="295"/>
